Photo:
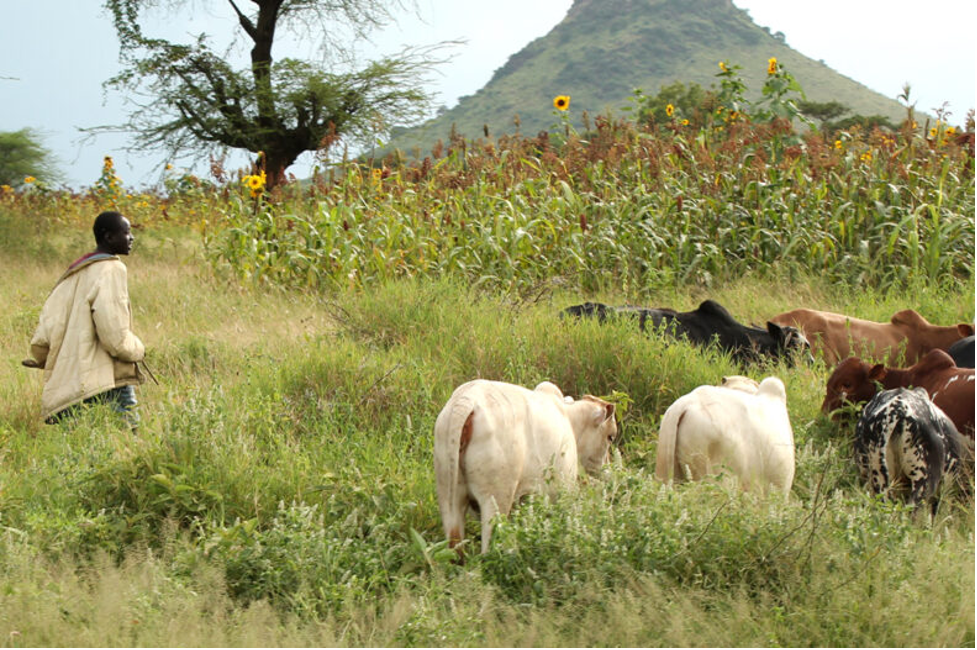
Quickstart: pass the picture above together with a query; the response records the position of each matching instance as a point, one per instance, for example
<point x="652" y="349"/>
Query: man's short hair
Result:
<point x="108" y="221"/>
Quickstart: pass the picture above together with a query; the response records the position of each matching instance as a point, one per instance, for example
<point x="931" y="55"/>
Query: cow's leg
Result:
<point x="924" y="486"/>
<point x="492" y="502"/>
<point x="923" y="464"/>
<point x="694" y="466"/>
<point x="914" y="473"/>
<point x="779" y="468"/>
<point x="872" y="467"/>
<point x="878" y="471"/>
<point x="861" y="461"/>
<point x="919" y="493"/>
<point x="745" y="468"/>
<point x="782" y="479"/>
<point x="489" y="510"/>
<point x="878" y="463"/>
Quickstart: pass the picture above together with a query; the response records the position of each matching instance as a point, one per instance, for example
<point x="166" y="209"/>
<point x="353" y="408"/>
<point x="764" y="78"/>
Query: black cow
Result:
<point x="963" y="352"/>
<point x="707" y="324"/>
<point x="602" y="312"/>
<point x="902" y="437"/>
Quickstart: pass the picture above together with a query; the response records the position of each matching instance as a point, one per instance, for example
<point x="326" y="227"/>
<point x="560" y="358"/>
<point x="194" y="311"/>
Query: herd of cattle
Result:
<point x="496" y="442"/>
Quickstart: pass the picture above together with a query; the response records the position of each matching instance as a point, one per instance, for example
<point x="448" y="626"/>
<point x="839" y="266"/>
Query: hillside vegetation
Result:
<point x="604" y="49"/>
<point x="280" y="488"/>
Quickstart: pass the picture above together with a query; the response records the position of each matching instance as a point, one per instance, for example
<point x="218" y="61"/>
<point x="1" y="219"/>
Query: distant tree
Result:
<point x="22" y="156"/>
<point x="686" y="102"/>
<point x="195" y="100"/>
<point x="823" y="112"/>
<point x="865" y="122"/>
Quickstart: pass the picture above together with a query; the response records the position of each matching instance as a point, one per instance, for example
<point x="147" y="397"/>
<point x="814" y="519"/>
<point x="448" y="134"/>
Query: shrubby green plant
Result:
<point x="308" y="561"/>
<point x="704" y="536"/>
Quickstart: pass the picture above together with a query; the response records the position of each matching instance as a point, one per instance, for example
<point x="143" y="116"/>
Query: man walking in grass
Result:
<point x="84" y="342"/>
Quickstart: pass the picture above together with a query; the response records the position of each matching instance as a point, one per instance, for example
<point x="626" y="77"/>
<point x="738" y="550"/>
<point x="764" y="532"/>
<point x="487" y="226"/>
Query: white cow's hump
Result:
<point x="773" y="387"/>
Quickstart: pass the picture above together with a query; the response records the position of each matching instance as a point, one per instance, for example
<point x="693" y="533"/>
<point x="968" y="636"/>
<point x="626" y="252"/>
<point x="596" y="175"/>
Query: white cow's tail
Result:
<point x="452" y="433"/>
<point x="665" y="468"/>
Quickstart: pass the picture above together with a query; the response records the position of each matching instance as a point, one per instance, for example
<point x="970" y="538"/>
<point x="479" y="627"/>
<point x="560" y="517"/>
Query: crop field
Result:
<point x="280" y="488"/>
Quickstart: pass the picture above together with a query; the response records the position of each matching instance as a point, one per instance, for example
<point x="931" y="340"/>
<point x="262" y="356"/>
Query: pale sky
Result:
<point x="55" y="54"/>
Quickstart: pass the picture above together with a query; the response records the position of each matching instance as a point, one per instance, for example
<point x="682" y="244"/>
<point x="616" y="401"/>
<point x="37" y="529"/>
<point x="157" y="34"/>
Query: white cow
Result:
<point x="496" y="442"/>
<point x="712" y="426"/>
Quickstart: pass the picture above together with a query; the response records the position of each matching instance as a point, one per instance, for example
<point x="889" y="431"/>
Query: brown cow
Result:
<point x="950" y="388"/>
<point x="838" y="336"/>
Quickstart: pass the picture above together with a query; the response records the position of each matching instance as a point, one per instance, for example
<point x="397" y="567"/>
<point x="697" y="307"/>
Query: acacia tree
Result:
<point x="193" y="100"/>
<point x="22" y="155"/>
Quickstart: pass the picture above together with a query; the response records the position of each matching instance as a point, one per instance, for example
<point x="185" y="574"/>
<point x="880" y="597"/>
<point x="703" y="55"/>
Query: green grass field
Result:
<point x="272" y="494"/>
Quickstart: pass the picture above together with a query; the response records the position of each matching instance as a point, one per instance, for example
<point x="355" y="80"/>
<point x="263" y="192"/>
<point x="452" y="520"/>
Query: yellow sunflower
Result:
<point x="561" y="102"/>
<point x="772" y="65"/>
<point x="669" y="110"/>
<point x="255" y="183"/>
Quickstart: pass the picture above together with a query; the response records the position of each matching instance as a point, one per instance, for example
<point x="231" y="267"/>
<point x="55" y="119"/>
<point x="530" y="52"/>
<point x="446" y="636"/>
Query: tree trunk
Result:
<point x="276" y="162"/>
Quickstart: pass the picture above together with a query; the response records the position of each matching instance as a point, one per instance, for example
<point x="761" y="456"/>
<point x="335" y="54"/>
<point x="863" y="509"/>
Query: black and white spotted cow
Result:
<point x="903" y="438"/>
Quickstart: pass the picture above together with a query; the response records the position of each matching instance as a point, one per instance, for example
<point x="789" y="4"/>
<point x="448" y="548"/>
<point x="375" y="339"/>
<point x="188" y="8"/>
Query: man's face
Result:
<point x="119" y="241"/>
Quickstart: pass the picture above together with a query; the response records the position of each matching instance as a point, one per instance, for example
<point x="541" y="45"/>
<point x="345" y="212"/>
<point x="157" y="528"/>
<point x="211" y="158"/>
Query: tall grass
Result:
<point x="627" y="206"/>
<point x="280" y="489"/>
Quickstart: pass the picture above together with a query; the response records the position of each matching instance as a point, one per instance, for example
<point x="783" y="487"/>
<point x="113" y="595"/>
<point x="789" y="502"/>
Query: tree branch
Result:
<point x="246" y="23"/>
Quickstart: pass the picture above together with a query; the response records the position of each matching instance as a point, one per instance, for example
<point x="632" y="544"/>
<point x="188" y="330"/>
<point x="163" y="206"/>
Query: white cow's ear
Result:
<point x="605" y="412"/>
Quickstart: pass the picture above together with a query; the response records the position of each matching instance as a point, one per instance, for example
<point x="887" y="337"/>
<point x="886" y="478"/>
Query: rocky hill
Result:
<point x="604" y="49"/>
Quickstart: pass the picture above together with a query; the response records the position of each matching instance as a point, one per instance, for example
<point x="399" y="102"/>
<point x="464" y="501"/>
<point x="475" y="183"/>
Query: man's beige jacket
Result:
<point x="84" y="340"/>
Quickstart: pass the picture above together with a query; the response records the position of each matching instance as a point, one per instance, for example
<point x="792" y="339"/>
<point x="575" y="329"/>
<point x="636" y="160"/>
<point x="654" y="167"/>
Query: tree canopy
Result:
<point x="22" y="156"/>
<point x="190" y="99"/>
